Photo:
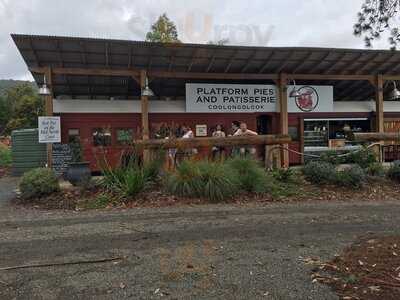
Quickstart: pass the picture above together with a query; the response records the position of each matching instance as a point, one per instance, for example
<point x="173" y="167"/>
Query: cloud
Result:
<point x="323" y="23"/>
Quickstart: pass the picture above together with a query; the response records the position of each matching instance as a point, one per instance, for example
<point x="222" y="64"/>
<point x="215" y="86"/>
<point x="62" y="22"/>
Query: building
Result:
<point x="96" y="89"/>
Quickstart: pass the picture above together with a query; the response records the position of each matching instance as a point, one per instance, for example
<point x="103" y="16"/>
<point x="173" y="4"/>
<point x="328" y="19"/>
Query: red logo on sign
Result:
<point x="308" y="99"/>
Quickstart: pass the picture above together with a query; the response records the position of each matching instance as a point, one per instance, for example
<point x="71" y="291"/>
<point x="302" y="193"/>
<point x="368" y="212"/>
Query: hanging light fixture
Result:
<point x="395" y="93"/>
<point x="294" y="93"/>
<point x="147" y="91"/>
<point x="44" y="90"/>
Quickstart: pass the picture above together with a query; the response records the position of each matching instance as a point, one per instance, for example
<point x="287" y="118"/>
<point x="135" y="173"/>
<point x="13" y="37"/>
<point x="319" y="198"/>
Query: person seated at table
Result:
<point x="244" y="131"/>
<point x="220" y="133"/>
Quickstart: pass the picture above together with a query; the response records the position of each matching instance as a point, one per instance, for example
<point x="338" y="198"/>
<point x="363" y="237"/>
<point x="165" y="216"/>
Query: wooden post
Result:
<point x="283" y="112"/>
<point x="379" y="104"/>
<point x="379" y="123"/>
<point x="145" y="114"/>
<point x="301" y="138"/>
<point x="49" y="112"/>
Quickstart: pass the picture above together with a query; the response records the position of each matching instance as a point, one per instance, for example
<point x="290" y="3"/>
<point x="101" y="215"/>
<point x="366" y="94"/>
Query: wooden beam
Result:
<point x="192" y="59"/>
<point x="231" y="60"/>
<point x="33" y="51"/>
<point x="130" y="53"/>
<point x="332" y="67"/>
<point x="194" y="75"/>
<point x="301" y="64"/>
<point x="283" y="112"/>
<point x="283" y="66"/>
<point x="379" y="104"/>
<point x="365" y="66"/>
<point x="267" y="62"/>
<point x="89" y="71"/>
<point x="210" y="64"/>
<point x="213" y="141"/>
<point x="319" y="63"/>
<point x="374" y="136"/>
<point x="391" y="77"/>
<point x="171" y="62"/>
<point x="249" y="61"/>
<point x="331" y="77"/>
<point x="353" y="63"/>
<point x="359" y="71"/>
<point x="106" y="55"/>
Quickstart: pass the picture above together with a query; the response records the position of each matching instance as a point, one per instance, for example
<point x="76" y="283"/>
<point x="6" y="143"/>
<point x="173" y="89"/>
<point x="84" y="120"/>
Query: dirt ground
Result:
<point x="187" y="252"/>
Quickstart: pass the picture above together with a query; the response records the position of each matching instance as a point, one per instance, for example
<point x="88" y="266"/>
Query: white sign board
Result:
<point x="49" y="130"/>
<point x="230" y="98"/>
<point x="249" y="98"/>
<point x="311" y="99"/>
<point x="201" y="130"/>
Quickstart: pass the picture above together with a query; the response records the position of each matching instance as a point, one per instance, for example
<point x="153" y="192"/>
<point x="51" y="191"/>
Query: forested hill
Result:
<point x="8" y="83"/>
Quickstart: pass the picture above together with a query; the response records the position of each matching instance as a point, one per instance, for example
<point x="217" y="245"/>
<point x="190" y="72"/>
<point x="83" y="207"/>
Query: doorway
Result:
<point x="263" y="124"/>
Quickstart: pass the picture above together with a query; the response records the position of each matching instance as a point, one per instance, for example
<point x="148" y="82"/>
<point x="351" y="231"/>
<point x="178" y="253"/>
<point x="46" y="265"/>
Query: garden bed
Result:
<point x="368" y="269"/>
<point x="377" y="189"/>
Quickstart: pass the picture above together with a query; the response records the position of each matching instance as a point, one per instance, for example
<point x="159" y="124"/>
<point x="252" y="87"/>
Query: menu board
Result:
<point x="49" y="130"/>
<point x="62" y="156"/>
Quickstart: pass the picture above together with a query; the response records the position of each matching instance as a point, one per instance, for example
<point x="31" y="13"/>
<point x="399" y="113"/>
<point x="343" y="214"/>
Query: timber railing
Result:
<point x="180" y="143"/>
<point x="384" y="152"/>
<point x="269" y="141"/>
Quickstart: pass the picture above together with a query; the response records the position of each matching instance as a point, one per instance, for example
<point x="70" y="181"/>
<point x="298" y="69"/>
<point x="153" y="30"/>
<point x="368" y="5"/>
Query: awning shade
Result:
<point x="71" y="52"/>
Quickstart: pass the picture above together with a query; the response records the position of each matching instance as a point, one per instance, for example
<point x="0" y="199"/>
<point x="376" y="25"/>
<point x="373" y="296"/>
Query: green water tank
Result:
<point x="27" y="153"/>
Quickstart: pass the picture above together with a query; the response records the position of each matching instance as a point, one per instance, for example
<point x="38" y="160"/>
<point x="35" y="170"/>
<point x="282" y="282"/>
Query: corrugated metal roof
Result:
<point x="75" y="52"/>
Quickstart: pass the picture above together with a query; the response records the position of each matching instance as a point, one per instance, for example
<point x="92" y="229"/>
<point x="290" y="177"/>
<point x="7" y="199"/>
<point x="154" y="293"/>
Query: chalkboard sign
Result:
<point x="62" y="156"/>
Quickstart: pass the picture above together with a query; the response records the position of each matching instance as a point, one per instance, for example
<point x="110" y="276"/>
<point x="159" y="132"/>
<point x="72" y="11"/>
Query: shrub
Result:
<point x="394" y="171"/>
<point x="218" y="181"/>
<point x="252" y="177"/>
<point x="351" y="177"/>
<point x="376" y="169"/>
<point x="364" y="157"/>
<point x="131" y="178"/>
<point x="5" y="156"/>
<point x="151" y="170"/>
<point x="185" y="181"/>
<point x="127" y="182"/>
<point x="332" y="157"/>
<point x="284" y="175"/>
<point x="38" y="182"/>
<point x="319" y="172"/>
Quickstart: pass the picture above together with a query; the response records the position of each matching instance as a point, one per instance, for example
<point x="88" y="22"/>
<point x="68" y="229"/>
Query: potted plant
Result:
<point x="78" y="172"/>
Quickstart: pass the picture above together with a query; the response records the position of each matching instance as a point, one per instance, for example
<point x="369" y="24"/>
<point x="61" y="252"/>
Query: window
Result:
<point x="73" y="135"/>
<point x="101" y="137"/>
<point x="124" y="136"/>
<point x="294" y="133"/>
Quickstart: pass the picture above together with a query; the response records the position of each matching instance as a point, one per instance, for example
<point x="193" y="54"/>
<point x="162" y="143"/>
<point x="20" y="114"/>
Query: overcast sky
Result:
<point x="320" y="23"/>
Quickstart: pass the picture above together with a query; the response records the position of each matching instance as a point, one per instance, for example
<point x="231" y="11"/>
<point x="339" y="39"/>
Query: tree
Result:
<point x="23" y="106"/>
<point x="377" y="17"/>
<point x="163" y="31"/>
<point x="4" y="114"/>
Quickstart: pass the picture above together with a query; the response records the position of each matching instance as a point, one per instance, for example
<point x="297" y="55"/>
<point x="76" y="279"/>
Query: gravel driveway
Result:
<point x="204" y="252"/>
<point x="7" y="189"/>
